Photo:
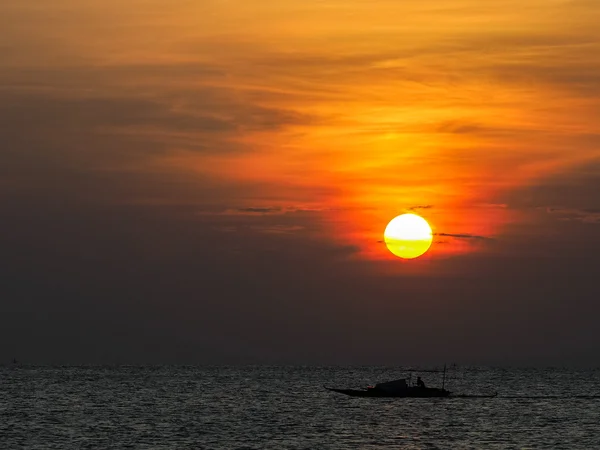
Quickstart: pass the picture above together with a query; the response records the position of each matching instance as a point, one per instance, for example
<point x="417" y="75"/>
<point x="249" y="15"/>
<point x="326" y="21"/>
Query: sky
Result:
<point x="208" y="181"/>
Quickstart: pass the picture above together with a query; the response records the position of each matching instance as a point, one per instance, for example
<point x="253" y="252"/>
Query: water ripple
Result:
<point x="286" y="408"/>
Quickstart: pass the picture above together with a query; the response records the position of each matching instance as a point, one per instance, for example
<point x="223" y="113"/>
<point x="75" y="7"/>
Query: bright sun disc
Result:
<point x="408" y="236"/>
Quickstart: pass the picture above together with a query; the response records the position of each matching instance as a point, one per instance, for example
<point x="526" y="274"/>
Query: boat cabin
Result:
<point x="391" y="386"/>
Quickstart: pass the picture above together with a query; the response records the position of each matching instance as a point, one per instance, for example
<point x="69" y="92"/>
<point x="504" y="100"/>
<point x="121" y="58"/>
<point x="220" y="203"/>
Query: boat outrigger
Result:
<point x="404" y="388"/>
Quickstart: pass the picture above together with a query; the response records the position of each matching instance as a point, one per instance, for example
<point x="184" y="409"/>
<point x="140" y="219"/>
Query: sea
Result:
<point x="266" y="407"/>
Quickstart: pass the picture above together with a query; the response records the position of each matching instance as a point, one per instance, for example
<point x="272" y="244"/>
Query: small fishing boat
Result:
<point x="404" y="388"/>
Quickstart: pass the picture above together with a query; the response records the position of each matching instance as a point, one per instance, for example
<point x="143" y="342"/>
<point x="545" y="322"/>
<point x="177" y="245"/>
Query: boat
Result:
<point x="403" y="388"/>
<point x="397" y="388"/>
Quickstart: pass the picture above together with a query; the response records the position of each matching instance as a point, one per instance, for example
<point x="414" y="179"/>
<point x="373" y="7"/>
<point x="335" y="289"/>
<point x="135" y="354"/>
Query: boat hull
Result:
<point x="411" y="392"/>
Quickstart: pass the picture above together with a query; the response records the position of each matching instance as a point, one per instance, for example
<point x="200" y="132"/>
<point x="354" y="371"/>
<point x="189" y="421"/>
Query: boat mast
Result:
<point x="444" y="378"/>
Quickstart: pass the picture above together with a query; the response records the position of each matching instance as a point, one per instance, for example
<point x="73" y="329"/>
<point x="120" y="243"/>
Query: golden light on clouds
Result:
<point x="204" y="175"/>
<point x="358" y="107"/>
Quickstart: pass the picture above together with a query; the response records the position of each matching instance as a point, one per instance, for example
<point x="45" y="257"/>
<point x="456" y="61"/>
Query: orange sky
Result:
<point x="365" y="108"/>
<point x="210" y="180"/>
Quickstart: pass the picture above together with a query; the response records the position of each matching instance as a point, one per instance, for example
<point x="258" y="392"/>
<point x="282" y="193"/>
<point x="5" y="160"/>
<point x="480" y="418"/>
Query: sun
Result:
<point x="408" y="236"/>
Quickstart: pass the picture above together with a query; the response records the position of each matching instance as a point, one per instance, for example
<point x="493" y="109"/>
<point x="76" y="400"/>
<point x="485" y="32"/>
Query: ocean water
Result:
<point x="259" y="407"/>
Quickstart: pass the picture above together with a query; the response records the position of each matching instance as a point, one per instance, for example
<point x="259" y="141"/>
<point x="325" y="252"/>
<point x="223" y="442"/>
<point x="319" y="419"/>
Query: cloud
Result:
<point x="585" y="215"/>
<point x="455" y="236"/>
<point x="414" y="208"/>
<point x="259" y="210"/>
<point x="204" y="112"/>
<point x="463" y="236"/>
<point x="278" y="229"/>
<point x="572" y="190"/>
<point x="459" y="127"/>
<point x="263" y="210"/>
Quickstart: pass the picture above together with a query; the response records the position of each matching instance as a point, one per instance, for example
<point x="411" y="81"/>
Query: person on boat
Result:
<point x="420" y="383"/>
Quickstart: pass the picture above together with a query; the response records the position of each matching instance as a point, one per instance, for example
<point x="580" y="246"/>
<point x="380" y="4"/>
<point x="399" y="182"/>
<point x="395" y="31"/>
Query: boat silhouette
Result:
<point x="404" y="388"/>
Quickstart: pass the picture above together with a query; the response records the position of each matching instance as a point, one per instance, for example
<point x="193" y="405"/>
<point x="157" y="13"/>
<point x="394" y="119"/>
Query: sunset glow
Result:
<point x="222" y="172"/>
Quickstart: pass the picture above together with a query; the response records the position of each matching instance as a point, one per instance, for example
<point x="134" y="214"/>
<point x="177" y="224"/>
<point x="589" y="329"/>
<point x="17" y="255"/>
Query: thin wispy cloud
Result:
<point x="463" y="236"/>
<point x="585" y="215"/>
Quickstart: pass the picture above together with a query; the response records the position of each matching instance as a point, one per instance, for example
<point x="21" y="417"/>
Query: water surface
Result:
<point x="260" y="407"/>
